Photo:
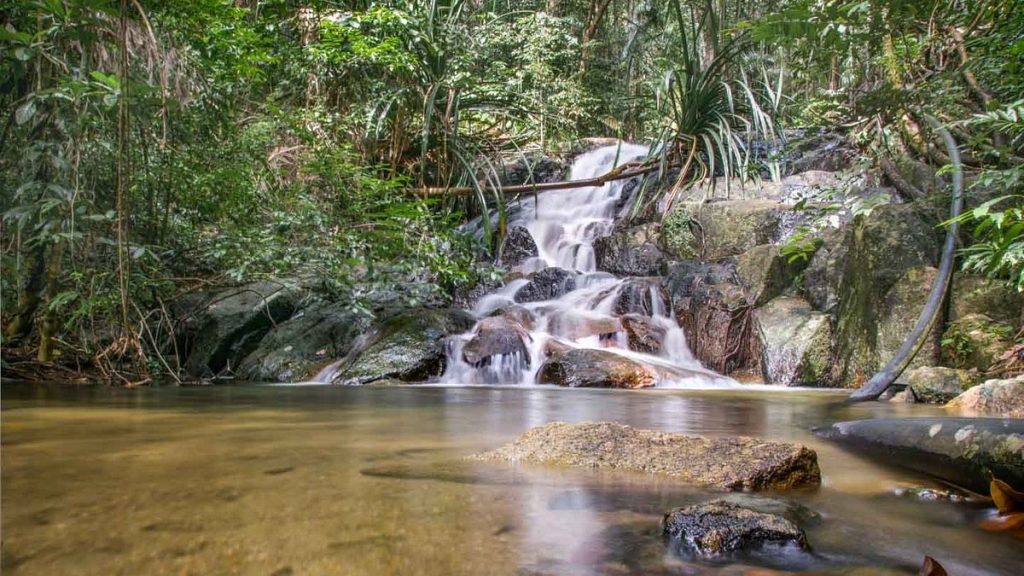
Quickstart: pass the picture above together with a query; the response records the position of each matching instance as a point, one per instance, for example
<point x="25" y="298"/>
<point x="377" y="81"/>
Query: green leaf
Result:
<point x="25" y="112"/>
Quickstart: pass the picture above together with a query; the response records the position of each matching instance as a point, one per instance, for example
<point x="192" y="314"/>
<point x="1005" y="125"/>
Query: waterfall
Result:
<point x="517" y="330"/>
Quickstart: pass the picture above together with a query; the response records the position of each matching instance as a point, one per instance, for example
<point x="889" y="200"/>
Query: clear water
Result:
<point x="372" y="481"/>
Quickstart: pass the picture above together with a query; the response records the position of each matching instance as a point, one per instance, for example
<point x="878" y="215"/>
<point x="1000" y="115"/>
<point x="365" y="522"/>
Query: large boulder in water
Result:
<point x="641" y="296"/>
<point x="643" y="334"/>
<point x="223" y="326"/>
<point x="548" y="284"/>
<point x="796" y="342"/>
<point x="590" y="368"/>
<point x="409" y="346"/>
<point x="998" y="398"/>
<point x="517" y="247"/>
<point x="497" y="335"/>
<point x="632" y="252"/>
<point x="964" y="451"/>
<point x="719" y="527"/>
<point x="935" y="384"/>
<point x="730" y="463"/>
<point x="296" y="349"/>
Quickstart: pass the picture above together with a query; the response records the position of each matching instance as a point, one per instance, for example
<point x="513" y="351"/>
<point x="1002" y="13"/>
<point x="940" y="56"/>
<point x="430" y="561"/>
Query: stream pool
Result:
<point x="278" y="480"/>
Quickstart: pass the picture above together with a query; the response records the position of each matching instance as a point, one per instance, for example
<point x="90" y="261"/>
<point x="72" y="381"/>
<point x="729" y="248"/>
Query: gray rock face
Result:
<point x="409" y="347"/>
<point x="732" y="227"/>
<point x="936" y="384"/>
<point x="296" y="349"/>
<point x="547" y="284"/>
<point x="589" y="368"/>
<point x="765" y="273"/>
<point x="997" y="398"/>
<point x="964" y="451"/>
<point x="626" y="255"/>
<point x="517" y="247"/>
<point x="736" y="463"/>
<point x="979" y="295"/>
<point x="796" y="343"/>
<point x="719" y="527"/>
<point x="226" y="325"/>
<point x="497" y="335"/>
<point x="824" y="272"/>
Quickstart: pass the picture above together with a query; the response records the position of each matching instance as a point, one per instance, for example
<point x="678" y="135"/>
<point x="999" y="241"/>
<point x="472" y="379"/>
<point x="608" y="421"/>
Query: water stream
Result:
<point x="564" y="226"/>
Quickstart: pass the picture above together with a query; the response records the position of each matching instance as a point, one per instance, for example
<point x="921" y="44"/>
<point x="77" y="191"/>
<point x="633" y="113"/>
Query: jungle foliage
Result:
<point x="150" y="147"/>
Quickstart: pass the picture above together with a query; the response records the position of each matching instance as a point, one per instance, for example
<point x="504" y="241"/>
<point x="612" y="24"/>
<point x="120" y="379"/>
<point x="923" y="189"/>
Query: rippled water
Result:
<point x="331" y="480"/>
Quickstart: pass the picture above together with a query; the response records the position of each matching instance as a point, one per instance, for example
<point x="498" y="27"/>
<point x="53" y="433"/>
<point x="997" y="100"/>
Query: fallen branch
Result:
<point x="627" y="170"/>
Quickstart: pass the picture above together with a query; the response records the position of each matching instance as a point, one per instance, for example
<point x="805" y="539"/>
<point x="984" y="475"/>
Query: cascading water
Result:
<point x="563" y="302"/>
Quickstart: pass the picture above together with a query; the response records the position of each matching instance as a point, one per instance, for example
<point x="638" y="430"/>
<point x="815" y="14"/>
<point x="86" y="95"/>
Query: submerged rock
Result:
<point x="998" y="398"/>
<point x="590" y="368"/>
<point x="719" y="527"/>
<point x="795" y="343"/>
<point x="547" y="284"/>
<point x="732" y="463"/>
<point x="964" y="451"/>
<point x="409" y="347"/>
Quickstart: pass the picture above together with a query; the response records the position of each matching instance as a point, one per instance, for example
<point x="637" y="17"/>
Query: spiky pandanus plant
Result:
<point x="711" y="110"/>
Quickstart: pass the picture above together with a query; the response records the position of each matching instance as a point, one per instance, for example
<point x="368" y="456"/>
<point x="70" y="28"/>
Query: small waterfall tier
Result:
<point x="559" y="302"/>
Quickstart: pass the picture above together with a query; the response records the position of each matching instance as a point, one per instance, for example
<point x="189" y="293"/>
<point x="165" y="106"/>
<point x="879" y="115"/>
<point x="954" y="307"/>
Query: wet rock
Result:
<point x="996" y="398"/>
<point x="298" y="348"/>
<point x="642" y="333"/>
<point x="576" y="324"/>
<point x="547" y="284"/>
<point x="222" y="327"/>
<point x="712" y="309"/>
<point x="936" y="384"/>
<point x="533" y="166"/>
<point x="497" y="335"/>
<point x="824" y="272"/>
<point x="719" y="527"/>
<point x="978" y="295"/>
<point x="886" y="277"/>
<point x="796" y="343"/>
<point x="976" y="341"/>
<point x="930" y="494"/>
<point x="630" y="252"/>
<point x="517" y="247"/>
<point x="590" y="368"/>
<point x="636" y="296"/>
<point x="964" y="451"/>
<point x="731" y="463"/>
<point x="819" y="150"/>
<point x="409" y="347"/>
<point x="765" y="273"/>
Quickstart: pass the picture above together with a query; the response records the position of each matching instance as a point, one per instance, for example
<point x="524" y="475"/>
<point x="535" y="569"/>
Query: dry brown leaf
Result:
<point x="931" y="568"/>
<point x="1007" y="499"/>
<point x="1013" y="522"/>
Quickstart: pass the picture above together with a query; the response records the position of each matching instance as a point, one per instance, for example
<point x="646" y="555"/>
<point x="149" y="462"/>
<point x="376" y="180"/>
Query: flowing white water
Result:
<point x="595" y="314"/>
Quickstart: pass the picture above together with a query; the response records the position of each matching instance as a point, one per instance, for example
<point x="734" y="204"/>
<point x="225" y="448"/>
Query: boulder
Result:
<point x="818" y="149"/>
<point x="636" y="296"/>
<point x="409" y="346"/>
<point x="296" y="349"/>
<point x="221" y="327"/>
<point x="997" y="398"/>
<point x="712" y="309"/>
<point x="517" y="246"/>
<point x="936" y="384"/>
<point x="964" y="451"/>
<point x="731" y="227"/>
<point x="496" y="335"/>
<point x="677" y="238"/>
<point x="574" y="324"/>
<point x="592" y="368"/>
<point x="979" y="295"/>
<point x="765" y="273"/>
<point x="976" y="341"/>
<point x="547" y="284"/>
<point x="824" y="272"/>
<point x="886" y="276"/>
<point x="796" y="343"/>
<point x="642" y="333"/>
<point x="632" y="252"/>
<point x="729" y="463"/>
<point x="533" y="166"/>
<point x="719" y="527"/>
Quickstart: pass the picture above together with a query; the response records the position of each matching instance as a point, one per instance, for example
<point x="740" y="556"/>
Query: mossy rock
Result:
<point x="975" y="341"/>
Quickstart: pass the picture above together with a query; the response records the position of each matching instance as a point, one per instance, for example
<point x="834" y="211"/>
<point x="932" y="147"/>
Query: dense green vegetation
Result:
<point x="150" y="147"/>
